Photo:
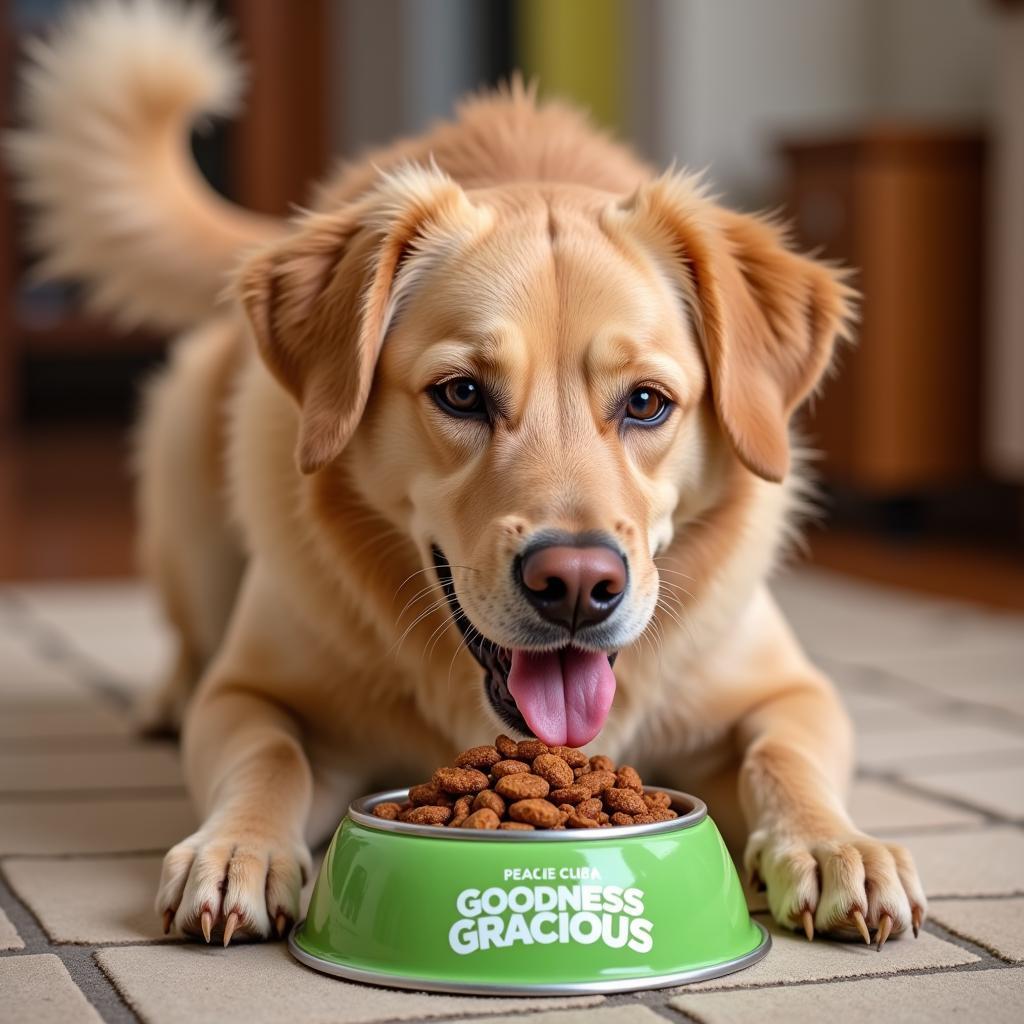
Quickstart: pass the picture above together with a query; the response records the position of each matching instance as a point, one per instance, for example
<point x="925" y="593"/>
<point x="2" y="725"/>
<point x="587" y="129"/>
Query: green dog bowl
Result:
<point x="499" y="912"/>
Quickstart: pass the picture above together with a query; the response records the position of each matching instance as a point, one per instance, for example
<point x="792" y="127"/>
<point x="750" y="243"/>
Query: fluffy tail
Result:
<point x="103" y="159"/>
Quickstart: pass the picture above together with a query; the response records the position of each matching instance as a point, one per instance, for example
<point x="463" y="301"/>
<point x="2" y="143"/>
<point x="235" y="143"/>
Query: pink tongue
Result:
<point x="564" y="695"/>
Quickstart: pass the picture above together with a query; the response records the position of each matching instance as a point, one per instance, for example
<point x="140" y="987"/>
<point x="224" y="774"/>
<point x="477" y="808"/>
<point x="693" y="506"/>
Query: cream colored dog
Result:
<point x="502" y="406"/>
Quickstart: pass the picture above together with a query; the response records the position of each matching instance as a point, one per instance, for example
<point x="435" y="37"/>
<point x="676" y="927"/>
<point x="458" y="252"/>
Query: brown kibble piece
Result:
<point x="657" y="799"/>
<point x="506" y="746"/>
<point x="482" y="818"/>
<point x="429" y="793"/>
<point x="388" y="811"/>
<point x="625" y="800"/>
<point x="539" y="813"/>
<point x="489" y="799"/>
<point x="663" y="814"/>
<point x="527" y="750"/>
<point x="618" y="818"/>
<point x="427" y="815"/>
<point x="460" y="811"/>
<point x="577" y="820"/>
<point x="591" y="807"/>
<point x="570" y="795"/>
<point x="515" y="826"/>
<point x="509" y="767"/>
<point x="603" y="819"/>
<point x="628" y="777"/>
<point x="553" y="769"/>
<point x="459" y="780"/>
<point x="584" y="770"/>
<point x="601" y="763"/>
<point x="481" y="758"/>
<point x="571" y="756"/>
<point x="522" y="786"/>
<point x="597" y="782"/>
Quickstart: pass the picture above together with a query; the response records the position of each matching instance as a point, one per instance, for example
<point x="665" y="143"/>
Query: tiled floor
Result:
<point x="86" y="810"/>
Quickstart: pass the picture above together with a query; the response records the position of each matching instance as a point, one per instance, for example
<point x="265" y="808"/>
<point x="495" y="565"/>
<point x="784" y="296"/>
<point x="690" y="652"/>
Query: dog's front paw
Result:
<point x="232" y="882"/>
<point x="840" y="885"/>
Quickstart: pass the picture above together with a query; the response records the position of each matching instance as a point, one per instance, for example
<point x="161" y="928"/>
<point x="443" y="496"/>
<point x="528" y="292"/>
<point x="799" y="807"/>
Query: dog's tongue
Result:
<point x="564" y="695"/>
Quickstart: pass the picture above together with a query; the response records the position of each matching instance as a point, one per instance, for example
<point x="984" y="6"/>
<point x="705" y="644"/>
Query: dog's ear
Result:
<point x="320" y="301"/>
<point x="768" y="318"/>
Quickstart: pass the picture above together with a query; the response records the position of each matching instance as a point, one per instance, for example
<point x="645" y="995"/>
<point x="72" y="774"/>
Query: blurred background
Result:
<point x="891" y="133"/>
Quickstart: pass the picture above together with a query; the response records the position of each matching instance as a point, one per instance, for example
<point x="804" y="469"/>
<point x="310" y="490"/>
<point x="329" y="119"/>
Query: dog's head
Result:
<point x="532" y="382"/>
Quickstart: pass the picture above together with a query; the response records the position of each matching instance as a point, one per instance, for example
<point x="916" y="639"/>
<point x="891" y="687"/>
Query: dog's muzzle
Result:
<point x="495" y="660"/>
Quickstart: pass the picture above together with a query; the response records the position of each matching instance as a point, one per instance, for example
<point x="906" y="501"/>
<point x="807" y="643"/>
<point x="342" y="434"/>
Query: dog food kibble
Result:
<point x="457" y="781"/>
<point x="523" y="786"/>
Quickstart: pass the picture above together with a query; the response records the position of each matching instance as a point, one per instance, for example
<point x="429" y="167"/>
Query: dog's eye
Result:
<point x="646" y="405"/>
<point x="461" y="396"/>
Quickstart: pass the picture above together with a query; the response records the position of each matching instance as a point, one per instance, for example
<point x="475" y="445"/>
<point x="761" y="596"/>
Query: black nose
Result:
<point x="573" y="586"/>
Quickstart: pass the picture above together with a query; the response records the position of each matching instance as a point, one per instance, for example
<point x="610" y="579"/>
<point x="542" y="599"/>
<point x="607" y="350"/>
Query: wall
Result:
<point x="736" y="74"/>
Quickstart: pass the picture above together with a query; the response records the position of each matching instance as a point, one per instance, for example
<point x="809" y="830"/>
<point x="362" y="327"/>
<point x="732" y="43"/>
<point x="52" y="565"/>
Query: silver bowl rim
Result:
<point x="691" y="810"/>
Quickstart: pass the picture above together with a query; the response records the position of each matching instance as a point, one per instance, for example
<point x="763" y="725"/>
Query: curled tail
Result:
<point x="104" y="165"/>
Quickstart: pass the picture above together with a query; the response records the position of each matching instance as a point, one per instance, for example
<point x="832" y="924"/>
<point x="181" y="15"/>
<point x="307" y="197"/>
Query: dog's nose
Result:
<point x="573" y="586"/>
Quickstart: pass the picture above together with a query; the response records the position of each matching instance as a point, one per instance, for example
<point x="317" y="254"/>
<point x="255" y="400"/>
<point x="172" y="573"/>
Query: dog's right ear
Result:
<point x="320" y="301"/>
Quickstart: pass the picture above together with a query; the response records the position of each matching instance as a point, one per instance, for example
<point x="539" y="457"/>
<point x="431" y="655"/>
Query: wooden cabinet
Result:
<point x="905" y="209"/>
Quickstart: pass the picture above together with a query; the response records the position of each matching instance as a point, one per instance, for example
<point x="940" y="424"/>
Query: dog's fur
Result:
<point x="295" y="473"/>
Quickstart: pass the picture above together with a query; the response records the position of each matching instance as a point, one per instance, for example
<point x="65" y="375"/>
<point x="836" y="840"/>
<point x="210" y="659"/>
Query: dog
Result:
<point x="494" y="436"/>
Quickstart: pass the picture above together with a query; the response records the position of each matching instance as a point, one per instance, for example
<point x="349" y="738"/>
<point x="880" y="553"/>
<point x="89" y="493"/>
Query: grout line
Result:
<point x="43" y="796"/>
<point x="74" y="744"/>
<point x="880" y="681"/>
<point x="990" y="817"/>
<point x="51" y="643"/>
<point x="79" y="961"/>
<point x="156" y="851"/>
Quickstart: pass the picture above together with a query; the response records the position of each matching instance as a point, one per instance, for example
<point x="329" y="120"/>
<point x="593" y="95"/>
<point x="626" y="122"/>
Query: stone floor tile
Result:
<point x="116" y="625"/>
<point x="62" y="721"/>
<point x="934" y="749"/>
<point x="129" y="767"/>
<point x="854" y="620"/>
<point x="995" y="924"/>
<point x="793" y="959"/>
<point x="97" y="899"/>
<point x="974" y="862"/>
<point x="39" y="989"/>
<point x="624" y="1014"/>
<point x="30" y="680"/>
<point x="94" y="826"/>
<point x="998" y="790"/>
<point x="9" y="937"/>
<point x="873" y="713"/>
<point x="261" y="984"/>
<point x="990" y="996"/>
<point x="92" y="899"/>
<point x="880" y="807"/>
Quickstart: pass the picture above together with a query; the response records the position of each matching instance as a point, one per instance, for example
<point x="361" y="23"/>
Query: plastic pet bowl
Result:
<point x="461" y="910"/>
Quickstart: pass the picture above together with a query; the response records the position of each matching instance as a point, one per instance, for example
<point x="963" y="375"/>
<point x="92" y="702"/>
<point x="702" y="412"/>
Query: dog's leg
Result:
<point x="821" y="872"/>
<point x="242" y="871"/>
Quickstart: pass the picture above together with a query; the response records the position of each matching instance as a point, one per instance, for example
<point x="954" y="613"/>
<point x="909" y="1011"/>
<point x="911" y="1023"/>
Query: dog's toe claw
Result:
<point x="862" y="927"/>
<point x="884" y="930"/>
<point x="229" y="927"/>
<point x="281" y="924"/>
<point x="807" y="918"/>
<point x="206" y="922"/>
<point x="168" y="920"/>
<point x="915" y="918"/>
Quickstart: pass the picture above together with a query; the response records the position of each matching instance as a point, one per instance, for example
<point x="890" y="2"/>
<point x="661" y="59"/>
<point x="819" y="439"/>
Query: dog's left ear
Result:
<point x="320" y="300"/>
<point x="767" y="317"/>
